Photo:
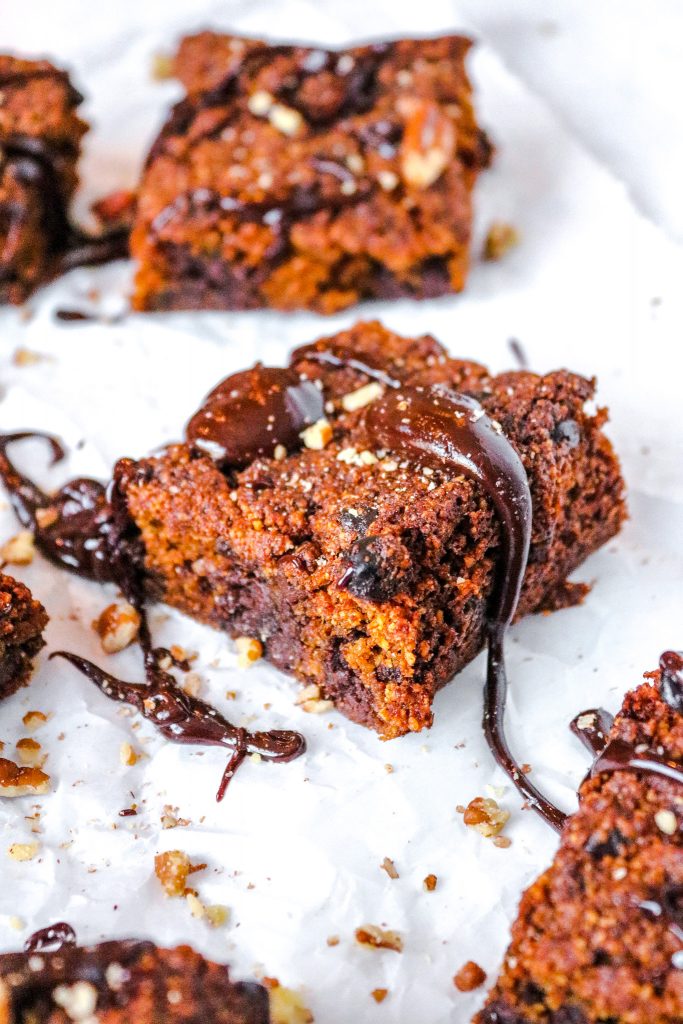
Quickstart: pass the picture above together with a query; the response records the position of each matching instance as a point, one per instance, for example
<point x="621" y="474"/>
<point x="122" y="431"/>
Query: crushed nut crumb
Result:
<point x="486" y="816"/>
<point x="379" y="938"/>
<point x="29" y="752"/>
<point x="469" y="977"/>
<point x="162" y="67"/>
<point x="249" y="650"/>
<point x="127" y="755"/>
<point x="361" y="397"/>
<point x="389" y="866"/>
<point x="19" y="550"/>
<point x="286" y="1005"/>
<point x="117" y="627"/>
<point x="34" y="719"/>
<point x="172" y="868"/>
<point x="379" y="994"/>
<point x="500" y="239"/>
<point x="317" y="436"/>
<point x="16" y="781"/>
<point x="429" y="883"/>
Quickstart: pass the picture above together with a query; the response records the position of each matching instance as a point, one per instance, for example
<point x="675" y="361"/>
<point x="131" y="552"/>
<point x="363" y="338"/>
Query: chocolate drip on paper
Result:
<point x="86" y="528"/>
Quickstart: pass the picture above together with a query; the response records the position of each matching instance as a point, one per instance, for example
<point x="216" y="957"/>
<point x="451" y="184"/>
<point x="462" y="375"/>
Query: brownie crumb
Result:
<point x="469" y="977"/>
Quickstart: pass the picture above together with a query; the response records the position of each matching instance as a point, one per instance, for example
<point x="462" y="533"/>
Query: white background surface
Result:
<point x="583" y="102"/>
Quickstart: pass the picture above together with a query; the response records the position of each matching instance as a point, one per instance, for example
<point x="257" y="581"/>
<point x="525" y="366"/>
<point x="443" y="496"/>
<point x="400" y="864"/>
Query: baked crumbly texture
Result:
<point x="121" y="982"/>
<point x="22" y="621"/>
<point x="260" y="552"/>
<point x="304" y="178"/>
<point x="40" y="137"/>
<point x="596" y="934"/>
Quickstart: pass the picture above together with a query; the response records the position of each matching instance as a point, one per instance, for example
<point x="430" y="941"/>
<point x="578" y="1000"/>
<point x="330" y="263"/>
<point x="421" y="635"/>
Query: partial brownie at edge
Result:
<point x="123" y="981"/>
<point x="40" y="136"/>
<point x="599" y="936"/>
<point x="298" y="177"/>
<point x="22" y="621"/>
<point x="261" y="552"/>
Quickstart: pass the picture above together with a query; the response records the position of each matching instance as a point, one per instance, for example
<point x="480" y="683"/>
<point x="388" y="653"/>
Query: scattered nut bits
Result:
<point x="428" y="142"/>
<point x="286" y="119"/>
<point x="23" y="851"/>
<point x="25" y="357"/>
<point x="172" y="868"/>
<point x="389" y="866"/>
<point x="79" y="1001"/>
<point x="170" y="819"/>
<point x="429" y="883"/>
<point x="361" y="397"/>
<point x="500" y="239"/>
<point x="162" y="67"/>
<point x="286" y="1005"/>
<point x="127" y="755"/>
<point x="249" y="650"/>
<point x="333" y="940"/>
<point x="28" y="751"/>
<point x="33" y="720"/>
<point x="486" y="816"/>
<point x="16" y="781"/>
<point x="469" y="977"/>
<point x="379" y="938"/>
<point x="117" y="627"/>
<point x="666" y="822"/>
<point x="19" y="550"/>
<point x="317" y="435"/>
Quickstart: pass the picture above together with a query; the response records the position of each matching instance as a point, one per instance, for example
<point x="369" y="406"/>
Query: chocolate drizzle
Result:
<point x="437" y="426"/>
<point x="51" y="939"/>
<point x="251" y="413"/>
<point x="86" y="529"/>
<point x="182" y="718"/>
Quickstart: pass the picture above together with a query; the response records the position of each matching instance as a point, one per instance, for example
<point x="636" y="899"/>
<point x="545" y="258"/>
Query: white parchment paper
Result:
<point x="295" y="851"/>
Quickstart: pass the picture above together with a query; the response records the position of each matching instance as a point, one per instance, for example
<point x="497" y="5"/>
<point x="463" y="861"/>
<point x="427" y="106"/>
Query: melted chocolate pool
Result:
<point x="86" y="528"/>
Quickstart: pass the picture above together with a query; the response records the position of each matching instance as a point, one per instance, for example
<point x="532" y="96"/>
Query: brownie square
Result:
<point x="599" y="936"/>
<point x="297" y="177"/>
<point x="359" y="572"/>
<point x="40" y="136"/>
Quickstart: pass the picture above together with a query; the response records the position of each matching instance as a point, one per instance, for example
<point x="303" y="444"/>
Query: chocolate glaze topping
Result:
<point x="51" y="939"/>
<point x="86" y="528"/>
<point x="250" y="413"/>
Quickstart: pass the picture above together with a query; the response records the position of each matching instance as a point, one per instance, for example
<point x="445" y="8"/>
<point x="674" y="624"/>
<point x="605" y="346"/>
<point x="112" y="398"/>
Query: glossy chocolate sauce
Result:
<point x="51" y="939"/>
<point x="86" y="528"/>
<point x="250" y="413"/>
<point x="436" y="426"/>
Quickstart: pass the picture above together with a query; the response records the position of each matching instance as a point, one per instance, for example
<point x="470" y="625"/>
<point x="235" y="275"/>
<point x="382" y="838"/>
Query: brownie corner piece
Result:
<point x="40" y="136"/>
<point x="298" y="177"/>
<point x="599" y="936"/>
<point x="22" y="621"/>
<point x="122" y="981"/>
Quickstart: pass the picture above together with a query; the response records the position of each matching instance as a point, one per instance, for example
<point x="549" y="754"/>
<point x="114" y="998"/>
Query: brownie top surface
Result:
<point x="296" y="130"/>
<point x="122" y="980"/>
